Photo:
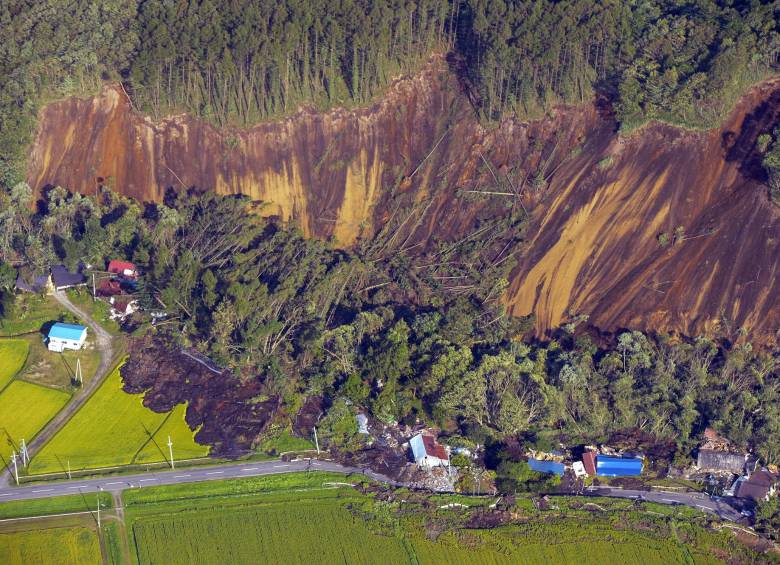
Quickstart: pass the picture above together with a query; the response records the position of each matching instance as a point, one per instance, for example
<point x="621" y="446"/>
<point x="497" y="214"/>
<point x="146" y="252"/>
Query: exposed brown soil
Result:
<point x="594" y="247"/>
<point x="230" y="413"/>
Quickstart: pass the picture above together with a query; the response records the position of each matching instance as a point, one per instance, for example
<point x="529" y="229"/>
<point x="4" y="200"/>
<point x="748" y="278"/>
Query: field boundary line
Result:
<point x="39" y="516"/>
<point x="226" y="495"/>
<point x="89" y="472"/>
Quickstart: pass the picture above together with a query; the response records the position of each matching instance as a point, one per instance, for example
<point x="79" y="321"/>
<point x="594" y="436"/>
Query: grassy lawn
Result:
<point x="53" y="546"/>
<point x="98" y="309"/>
<point x="294" y="519"/>
<point x="111" y="430"/>
<point x="54" y="505"/>
<point x="13" y="354"/>
<point x="283" y="441"/>
<point x="25" y="408"/>
<point x="30" y="312"/>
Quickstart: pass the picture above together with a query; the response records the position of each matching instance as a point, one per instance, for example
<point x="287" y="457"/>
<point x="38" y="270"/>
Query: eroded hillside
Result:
<point x="663" y="230"/>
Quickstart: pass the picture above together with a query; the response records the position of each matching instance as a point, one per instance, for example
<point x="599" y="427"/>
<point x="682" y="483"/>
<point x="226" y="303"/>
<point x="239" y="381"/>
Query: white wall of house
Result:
<point x="59" y="345"/>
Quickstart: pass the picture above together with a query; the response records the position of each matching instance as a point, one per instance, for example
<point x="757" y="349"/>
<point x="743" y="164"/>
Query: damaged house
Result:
<point x="710" y="460"/>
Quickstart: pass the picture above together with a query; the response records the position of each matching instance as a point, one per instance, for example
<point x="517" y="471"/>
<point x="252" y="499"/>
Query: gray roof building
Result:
<point x="711" y="460"/>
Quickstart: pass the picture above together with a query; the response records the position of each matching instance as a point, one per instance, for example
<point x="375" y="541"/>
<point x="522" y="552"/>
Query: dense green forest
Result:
<point x="376" y="327"/>
<point x="237" y="62"/>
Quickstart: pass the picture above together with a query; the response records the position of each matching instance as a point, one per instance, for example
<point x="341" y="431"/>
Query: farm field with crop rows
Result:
<point x="111" y="429"/>
<point x="53" y="546"/>
<point x="13" y="354"/>
<point x="318" y="526"/>
<point x="26" y="408"/>
<point x="305" y="532"/>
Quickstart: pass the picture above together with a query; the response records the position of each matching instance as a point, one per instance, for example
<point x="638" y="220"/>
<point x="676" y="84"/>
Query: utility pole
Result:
<point x="170" y="450"/>
<point x="25" y="455"/>
<point x="79" y="375"/>
<point x="69" y="477"/>
<point x="16" y="470"/>
<point x="98" y="506"/>
<point x="94" y="292"/>
<point x="316" y="441"/>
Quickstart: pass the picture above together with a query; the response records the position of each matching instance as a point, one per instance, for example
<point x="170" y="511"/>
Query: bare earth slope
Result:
<point x="594" y="241"/>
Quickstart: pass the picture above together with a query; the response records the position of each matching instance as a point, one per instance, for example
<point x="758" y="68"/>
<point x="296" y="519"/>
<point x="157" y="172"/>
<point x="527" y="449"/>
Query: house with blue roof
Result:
<point x="66" y="336"/>
<point x="553" y="467"/>
<point x="609" y="466"/>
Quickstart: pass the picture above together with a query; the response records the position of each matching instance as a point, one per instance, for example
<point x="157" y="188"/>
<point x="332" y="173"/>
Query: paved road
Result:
<point x="105" y="345"/>
<point x="699" y="501"/>
<point x="171" y="477"/>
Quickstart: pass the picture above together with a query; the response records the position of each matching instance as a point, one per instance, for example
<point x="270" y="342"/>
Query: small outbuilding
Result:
<point x="428" y="452"/>
<point x="553" y="467"/>
<point x="66" y="336"/>
<point x="124" y="269"/>
<point x="609" y="466"/>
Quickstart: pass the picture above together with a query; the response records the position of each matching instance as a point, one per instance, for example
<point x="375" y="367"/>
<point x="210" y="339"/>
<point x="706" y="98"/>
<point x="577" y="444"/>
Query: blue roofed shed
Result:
<point x="546" y="466"/>
<point x="66" y="336"/>
<point x="608" y="466"/>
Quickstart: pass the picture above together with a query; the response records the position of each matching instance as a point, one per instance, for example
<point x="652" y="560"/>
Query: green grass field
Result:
<point x="29" y="312"/>
<point x="25" y="408"/>
<point x="55" y="546"/>
<point x="114" y="428"/>
<point x="53" y="505"/>
<point x="13" y="354"/>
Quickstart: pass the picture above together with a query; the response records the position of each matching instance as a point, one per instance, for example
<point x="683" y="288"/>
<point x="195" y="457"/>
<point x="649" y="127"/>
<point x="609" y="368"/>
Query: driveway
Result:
<point x="105" y="345"/>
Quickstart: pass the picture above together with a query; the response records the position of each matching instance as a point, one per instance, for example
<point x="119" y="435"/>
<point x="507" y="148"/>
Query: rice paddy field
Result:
<point x="13" y="354"/>
<point x="309" y="522"/>
<point x="52" y="546"/>
<point x="114" y="428"/>
<point x="25" y="408"/>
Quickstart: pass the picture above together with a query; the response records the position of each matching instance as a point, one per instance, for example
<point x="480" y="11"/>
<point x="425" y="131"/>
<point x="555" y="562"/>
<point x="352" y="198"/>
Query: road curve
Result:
<point x="699" y="501"/>
<point x="105" y="345"/>
<point x="119" y="483"/>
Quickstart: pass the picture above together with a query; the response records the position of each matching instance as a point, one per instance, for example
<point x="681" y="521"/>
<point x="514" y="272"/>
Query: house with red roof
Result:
<point x="589" y="462"/>
<point x="428" y="452"/>
<point x="124" y="269"/>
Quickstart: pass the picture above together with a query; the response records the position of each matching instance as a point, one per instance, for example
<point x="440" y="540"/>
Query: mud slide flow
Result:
<point x="666" y="230"/>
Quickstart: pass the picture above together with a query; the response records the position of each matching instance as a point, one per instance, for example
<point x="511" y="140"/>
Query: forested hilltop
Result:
<point x="240" y="62"/>
<point x="373" y="328"/>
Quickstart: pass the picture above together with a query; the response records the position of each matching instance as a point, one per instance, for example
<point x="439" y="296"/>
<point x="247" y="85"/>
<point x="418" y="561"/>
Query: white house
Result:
<point x="427" y="452"/>
<point x="66" y="336"/>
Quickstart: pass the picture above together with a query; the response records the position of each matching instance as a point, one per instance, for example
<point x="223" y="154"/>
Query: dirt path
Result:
<point x="105" y="344"/>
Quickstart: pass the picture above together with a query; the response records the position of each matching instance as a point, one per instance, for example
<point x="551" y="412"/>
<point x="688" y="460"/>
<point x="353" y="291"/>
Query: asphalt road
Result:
<point x="104" y="343"/>
<point x="699" y="501"/>
<point x="173" y="477"/>
<point x="115" y="484"/>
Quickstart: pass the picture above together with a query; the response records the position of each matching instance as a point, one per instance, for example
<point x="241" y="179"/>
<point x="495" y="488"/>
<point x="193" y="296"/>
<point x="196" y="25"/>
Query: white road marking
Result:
<point x="181" y="476"/>
<point x="280" y="466"/>
<point x="668" y="500"/>
<point x="114" y="483"/>
<point x="144" y="480"/>
<point x="215" y="473"/>
<point x="249" y="469"/>
<point x="44" y="490"/>
<point x="6" y="494"/>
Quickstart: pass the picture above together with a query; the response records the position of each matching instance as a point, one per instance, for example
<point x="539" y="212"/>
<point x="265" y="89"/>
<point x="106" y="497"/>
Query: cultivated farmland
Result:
<point x="13" y="354"/>
<point x="305" y="532"/>
<point x="111" y="429"/>
<point x="53" y="546"/>
<point x="26" y="408"/>
<point x="298" y="519"/>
